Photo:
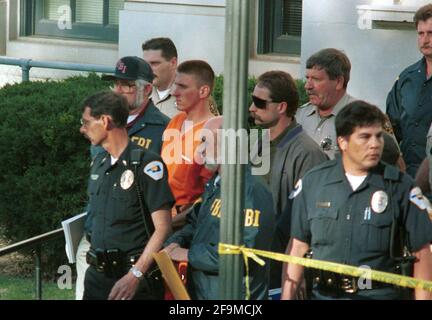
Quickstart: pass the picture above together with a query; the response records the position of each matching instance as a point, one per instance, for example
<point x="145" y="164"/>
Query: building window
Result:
<point x="280" y="23"/>
<point x="95" y="20"/>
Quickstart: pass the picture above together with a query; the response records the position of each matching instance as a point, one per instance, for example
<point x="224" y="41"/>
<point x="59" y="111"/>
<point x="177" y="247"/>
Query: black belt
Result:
<point x="112" y="262"/>
<point x="330" y="282"/>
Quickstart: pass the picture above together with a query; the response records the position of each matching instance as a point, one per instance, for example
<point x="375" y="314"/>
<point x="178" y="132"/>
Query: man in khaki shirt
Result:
<point x="327" y="77"/>
<point x="161" y="55"/>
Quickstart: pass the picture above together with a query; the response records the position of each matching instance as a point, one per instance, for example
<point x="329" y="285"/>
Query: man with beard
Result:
<point x="133" y="79"/>
<point x="409" y="103"/>
<point x="292" y="151"/>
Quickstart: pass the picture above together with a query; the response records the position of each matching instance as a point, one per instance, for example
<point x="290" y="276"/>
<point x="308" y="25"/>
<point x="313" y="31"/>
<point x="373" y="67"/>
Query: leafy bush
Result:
<point x="44" y="159"/>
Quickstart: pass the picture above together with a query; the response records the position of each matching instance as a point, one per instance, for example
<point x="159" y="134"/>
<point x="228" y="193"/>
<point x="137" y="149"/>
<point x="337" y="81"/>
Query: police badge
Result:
<point x="379" y="201"/>
<point x="326" y="144"/>
<point x="127" y="179"/>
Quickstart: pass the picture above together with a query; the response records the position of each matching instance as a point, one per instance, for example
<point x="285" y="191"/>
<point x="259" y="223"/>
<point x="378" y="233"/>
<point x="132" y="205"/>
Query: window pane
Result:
<point x="89" y="11"/>
<point x="53" y="10"/>
<point x="292" y="17"/>
<point x="114" y="7"/>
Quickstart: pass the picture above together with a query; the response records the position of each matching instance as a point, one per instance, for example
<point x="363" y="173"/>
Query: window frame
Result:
<point x="33" y="23"/>
<point x="270" y="37"/>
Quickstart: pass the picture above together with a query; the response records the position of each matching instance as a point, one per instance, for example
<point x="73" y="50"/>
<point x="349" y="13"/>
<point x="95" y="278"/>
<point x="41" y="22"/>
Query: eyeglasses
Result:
<point x="124" y="87"/>
<point x="86" y="123"/>
<point x="260" y="103"/>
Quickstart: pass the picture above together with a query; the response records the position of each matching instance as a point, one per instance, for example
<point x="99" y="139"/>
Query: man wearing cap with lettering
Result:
<point x="133" y="79"/>
<point x="130" y="199"/>
<point x="145" y="125"/>
<point x="358" y="211"/>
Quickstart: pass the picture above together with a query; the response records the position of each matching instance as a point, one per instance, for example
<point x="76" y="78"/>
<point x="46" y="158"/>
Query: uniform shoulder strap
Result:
<point x="391" y="173"/>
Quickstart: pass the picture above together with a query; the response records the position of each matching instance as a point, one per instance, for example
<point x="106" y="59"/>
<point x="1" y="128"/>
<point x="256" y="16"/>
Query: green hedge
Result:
<point x="44" y="159"/>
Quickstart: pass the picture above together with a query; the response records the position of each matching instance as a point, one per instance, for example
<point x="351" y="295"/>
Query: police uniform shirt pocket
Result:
<point x="376" y="230"/>
<point x="323" y="223"/>
<point x="125" y="204"/>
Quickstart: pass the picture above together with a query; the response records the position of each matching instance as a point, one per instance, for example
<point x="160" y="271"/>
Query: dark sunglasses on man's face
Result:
<point x="260" y="103"/>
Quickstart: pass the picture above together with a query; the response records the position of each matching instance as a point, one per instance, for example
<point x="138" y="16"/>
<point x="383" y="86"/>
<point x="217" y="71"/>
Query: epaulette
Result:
<point x="391" y="173"/>
<point x="324" y="165"/>
<point x="99" y="159"/>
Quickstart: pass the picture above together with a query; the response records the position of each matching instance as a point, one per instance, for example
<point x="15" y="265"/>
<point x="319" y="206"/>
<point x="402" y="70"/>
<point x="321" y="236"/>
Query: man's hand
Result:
<point x="176" y="253"/>
<point x="171" y="247"/>
<point x="125" y="288"/>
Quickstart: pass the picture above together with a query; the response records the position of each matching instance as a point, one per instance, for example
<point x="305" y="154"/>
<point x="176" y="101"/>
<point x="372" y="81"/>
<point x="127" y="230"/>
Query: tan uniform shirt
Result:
<point x="167" y="105"/>
<point x="322" y="130"/>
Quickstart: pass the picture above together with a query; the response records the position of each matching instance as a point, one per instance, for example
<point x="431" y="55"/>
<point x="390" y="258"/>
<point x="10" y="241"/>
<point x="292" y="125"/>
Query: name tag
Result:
<point x="323" y="204"/>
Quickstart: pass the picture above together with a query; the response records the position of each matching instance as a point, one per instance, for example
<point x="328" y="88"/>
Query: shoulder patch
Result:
<point x="416" y="196"/>
<point x="297" y="189"/>
<point x="154" y="170"/>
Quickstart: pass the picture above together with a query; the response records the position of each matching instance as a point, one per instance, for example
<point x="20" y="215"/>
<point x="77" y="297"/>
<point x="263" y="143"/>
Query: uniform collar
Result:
<point x="374" y="177"/>
<point x="419" y="69"/>
<point x="289" y="133"/>
<point x="339" y="105"/>
<point x="150" y="115"/>
<point x="124" y="159"/>
<point x="337" y="174"/>
<point x="155" y="95"/>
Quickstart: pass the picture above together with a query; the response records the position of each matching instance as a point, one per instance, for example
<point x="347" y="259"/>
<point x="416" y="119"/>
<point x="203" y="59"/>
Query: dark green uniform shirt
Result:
<point x="118" y="222"/>
<point x="201" y="236"/>
<point x="146" y="131"/>
<point x="409" y="107"/>
<point x="353" y="227"/>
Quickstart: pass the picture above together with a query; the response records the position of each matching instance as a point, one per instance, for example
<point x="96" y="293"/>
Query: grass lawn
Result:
<point x="13" y="288"/>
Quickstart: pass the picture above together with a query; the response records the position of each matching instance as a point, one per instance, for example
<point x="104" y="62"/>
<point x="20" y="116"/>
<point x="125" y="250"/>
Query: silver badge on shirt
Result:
<point x="379" y="201"/>
<point x="326" y="144"/>
<point x="127" y="179"/>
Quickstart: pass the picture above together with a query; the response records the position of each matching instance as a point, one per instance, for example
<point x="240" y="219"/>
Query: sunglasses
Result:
<point x="260" y="103"/>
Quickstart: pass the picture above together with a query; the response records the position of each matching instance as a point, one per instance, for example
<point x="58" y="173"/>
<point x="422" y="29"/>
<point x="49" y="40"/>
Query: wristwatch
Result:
<point x="137" y="273"/>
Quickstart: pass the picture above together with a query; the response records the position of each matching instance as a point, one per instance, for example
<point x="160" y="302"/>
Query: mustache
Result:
<point x="254" y="116"/>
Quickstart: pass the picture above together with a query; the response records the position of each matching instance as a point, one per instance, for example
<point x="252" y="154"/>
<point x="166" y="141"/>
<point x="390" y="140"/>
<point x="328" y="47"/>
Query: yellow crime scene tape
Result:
<point x="390" y="278"/>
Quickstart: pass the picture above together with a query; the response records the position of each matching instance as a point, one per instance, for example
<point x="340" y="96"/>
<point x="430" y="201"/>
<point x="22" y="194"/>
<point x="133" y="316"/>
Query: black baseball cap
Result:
<point x="131" y="68"/>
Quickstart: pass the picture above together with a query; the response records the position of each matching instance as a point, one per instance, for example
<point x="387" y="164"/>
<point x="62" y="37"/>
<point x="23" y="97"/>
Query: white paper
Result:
<point x="73" y="229"/>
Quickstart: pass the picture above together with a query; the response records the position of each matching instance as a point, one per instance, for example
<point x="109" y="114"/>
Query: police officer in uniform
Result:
<point x="409" y="103"/>
<point x="197" y="242"/>
<point x="132" y="79"/>
<point x="344" y="211"/>
<point x="130" y="201"/>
